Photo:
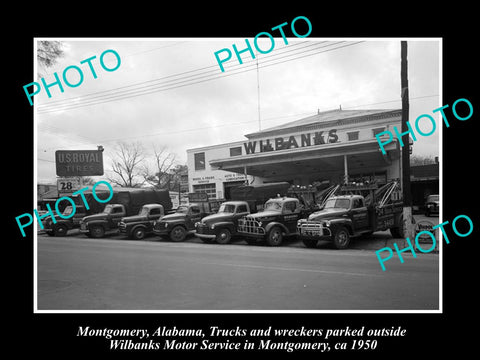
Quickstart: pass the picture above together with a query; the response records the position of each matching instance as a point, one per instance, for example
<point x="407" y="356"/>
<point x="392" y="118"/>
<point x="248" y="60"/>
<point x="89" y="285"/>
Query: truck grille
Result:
<point x="250" y="226"/>
<point x="202" y="228"/>
<point x="122" y="225"/>
<point x="313" y="229"/>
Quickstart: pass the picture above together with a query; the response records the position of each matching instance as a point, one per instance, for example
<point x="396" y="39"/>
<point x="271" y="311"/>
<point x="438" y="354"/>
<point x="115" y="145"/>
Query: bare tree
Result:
<point x="48" y="53"/>
<point x="421" y="160"/>
<point x="160" y="177"/>
<point x="127" y="165"/>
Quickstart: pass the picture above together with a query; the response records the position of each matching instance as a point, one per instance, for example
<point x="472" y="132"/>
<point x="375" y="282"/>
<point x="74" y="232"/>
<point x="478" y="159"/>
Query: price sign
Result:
<point x="68" y="185"/>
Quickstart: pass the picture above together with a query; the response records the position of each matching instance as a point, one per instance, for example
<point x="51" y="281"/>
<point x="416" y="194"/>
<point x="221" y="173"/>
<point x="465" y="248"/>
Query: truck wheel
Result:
<point x="275" y="236"/>
<point x="97" y="231"/>
<point x="397" y="232"/>
<point x="178" y="233"/>
<point x="310" y="243"/>
<point x="60" y="230"/>
<point x="223" y="237"/>
<point x="138" y="233"/>
<point x="341" y="238"/>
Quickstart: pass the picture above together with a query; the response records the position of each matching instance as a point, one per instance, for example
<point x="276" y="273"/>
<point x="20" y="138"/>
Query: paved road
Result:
<point x="79" y="273"/>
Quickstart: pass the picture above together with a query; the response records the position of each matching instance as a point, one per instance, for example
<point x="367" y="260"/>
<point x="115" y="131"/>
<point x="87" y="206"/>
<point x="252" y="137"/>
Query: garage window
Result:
<point x="199" y="161"/>
<point x="352" y="135"/>
<point x="236" y="151"/>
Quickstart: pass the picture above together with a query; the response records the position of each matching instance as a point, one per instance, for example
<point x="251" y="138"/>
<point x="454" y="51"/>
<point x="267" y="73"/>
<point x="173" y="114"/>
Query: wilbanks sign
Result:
<point x="291" y="142"/>
<point x="79" y="162"/>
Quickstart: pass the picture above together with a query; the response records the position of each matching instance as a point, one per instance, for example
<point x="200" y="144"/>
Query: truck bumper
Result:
<point x="204" y="232"/>
<point x="251" y="234"/>
<point x="314" y="232"/>
<point x="162" y="232"/>
<point x="206" y="236"/>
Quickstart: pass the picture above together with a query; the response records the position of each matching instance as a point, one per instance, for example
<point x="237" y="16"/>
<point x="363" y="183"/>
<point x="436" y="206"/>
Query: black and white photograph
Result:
<point x="262" y="174"/>
<point x="220" y="183"/>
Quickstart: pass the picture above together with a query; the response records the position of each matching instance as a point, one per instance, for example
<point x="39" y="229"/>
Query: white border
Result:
<point x="35" y="168"/>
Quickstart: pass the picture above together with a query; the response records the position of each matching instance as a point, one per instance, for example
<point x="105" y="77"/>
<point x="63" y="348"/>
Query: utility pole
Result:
<point x="407" y="196"/>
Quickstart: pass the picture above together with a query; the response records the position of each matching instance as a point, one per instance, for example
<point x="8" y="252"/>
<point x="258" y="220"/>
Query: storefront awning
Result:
<point x="312" y="159"/>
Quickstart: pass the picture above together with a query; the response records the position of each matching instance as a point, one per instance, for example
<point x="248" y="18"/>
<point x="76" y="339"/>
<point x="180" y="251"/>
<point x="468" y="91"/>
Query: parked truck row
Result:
<point x="267" y="213"/>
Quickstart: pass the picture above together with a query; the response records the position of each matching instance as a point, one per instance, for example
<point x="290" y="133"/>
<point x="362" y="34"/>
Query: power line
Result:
<point x="147" y="89"/>
<point x="228" y="66"/>
<point x="237" y="123"/>
<point x="159" y="88"/>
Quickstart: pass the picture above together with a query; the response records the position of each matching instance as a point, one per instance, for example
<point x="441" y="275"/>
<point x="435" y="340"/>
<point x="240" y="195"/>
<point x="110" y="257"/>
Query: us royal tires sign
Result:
<point x="79" y="162"/>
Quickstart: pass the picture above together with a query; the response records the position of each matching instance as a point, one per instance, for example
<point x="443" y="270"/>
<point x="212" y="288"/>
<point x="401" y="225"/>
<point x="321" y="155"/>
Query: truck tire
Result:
<point x="309" y="243"/>
<point x="224" y="236"/>
<point x="397" y="232"/>
<point x="275" y="236"/>
<point x="60" y="230"/>
<point x="341" y="238"/>
<point x="178" y="233"/>
<point x="138" y="233"/>
<point x="97" y="231"/>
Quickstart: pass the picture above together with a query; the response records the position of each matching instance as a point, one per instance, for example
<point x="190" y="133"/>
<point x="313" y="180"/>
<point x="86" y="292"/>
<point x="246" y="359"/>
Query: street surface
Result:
<point x="113" y="273"/>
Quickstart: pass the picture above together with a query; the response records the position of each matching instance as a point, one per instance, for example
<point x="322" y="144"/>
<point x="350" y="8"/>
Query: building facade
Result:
<point x="338" y="146"/>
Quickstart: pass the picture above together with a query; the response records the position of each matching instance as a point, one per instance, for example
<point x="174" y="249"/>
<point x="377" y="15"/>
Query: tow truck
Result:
<point x="276" y="221"/>
<point x="351" y="214"/>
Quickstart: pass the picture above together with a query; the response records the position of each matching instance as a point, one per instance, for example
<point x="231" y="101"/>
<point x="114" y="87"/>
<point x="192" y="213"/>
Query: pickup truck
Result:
<point x="277" y="220"/>
<point x="62" y="226"/>
<point x="347" y="216"/>
<point x="220" y="227"/>
<point x="137" y="226"/>
<point x="177" y="225"/>
<point x="98" y="225"/>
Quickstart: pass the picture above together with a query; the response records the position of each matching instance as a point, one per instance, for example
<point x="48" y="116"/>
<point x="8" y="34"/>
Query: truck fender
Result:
<point x="68" y="224"/>
<point x="280" y="225"/>
<point x="96" y="222"/>
<point x="137" y="226"/>
<point x="342" y="222"/>
<point x="225" y="224"/>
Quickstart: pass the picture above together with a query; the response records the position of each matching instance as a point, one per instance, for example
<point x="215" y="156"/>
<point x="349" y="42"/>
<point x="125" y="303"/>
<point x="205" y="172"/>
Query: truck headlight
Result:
<point x="327" y="223"/>
<point x="212" y="227"/>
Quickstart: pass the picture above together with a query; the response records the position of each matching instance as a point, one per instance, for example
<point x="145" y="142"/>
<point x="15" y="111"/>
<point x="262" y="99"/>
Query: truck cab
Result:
<point x="177" y="225"/>
<point x="222" y="226"/>
<point x="345" y="216"/>
<point x="137" y="226"/>
<point x="277" y="220"/>
<point x="98" y="225"/>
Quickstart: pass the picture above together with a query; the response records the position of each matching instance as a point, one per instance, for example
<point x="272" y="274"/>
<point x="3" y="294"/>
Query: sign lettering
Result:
<point x="79" y="162"/>
<point x="292" y="142"/>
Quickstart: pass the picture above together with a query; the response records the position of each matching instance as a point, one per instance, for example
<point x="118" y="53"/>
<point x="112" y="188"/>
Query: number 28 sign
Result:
<point x="68" y="185"/>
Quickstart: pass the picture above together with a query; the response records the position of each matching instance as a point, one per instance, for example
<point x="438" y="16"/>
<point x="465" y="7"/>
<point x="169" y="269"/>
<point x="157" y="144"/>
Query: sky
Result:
<point x="170" y="92"/>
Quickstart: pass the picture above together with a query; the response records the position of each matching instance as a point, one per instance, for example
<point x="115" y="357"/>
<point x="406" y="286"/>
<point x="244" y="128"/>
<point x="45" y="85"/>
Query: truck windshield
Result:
<point x="68" y="210"/>
<point x="273" y="205"/>
<point x="108" y="209"/>
<point x="337" y="203"/>
<point x="182" y="209"/>
<point x="227" y="208"/>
